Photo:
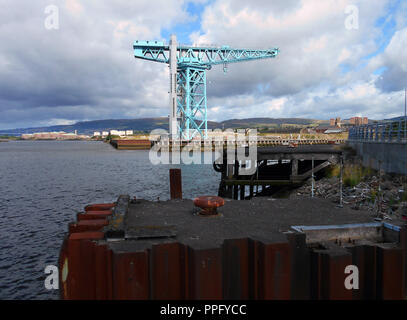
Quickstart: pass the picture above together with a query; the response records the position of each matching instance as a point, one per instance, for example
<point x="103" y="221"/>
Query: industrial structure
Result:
<point x="188" y="65"/>
<point x="169" y="250"/>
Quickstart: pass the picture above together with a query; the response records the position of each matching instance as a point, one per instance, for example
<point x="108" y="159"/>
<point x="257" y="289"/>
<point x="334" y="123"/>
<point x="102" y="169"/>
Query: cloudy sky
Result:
<point x="338" y="58"/>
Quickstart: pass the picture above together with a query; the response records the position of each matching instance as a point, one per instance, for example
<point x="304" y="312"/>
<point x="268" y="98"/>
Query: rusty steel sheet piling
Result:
<point x="167" y="272"/>
<point x="166" y="250"/>
<point x="131" y="275"/>
<point x="205" y="274"/>
<point x="175" y="184"/>
<point x="236" y="269"/>
<point x="364" y="257"/>
<point x="390" y="272"/>
<point x="273" y="270"/>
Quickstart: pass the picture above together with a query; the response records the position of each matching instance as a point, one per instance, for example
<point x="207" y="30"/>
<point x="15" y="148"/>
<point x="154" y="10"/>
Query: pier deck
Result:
<point x="258" y="218"/>
<point x="258" y="249"/>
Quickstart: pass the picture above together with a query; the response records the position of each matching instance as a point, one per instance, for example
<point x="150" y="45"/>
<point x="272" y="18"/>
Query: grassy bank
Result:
<point x="12" y="138"/>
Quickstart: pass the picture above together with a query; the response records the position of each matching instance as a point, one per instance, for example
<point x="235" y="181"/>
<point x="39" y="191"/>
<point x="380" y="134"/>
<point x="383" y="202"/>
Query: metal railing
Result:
<point x="392" y="131"/>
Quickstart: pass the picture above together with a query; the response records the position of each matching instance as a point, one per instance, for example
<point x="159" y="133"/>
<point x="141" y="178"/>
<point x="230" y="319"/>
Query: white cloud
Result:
<point x="86" y="69"/>
<point x="317" y="51"/>
<point x="74" y="6"/>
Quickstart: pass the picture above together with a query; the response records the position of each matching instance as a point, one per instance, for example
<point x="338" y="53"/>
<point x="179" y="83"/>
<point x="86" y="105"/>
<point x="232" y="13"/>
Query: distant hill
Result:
<point x="148" y="124"/>
<point x="257" y="122"/>
<point x="395" y="118"/>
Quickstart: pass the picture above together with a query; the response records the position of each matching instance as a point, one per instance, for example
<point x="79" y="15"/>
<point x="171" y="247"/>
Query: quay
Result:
<point x="219" y="143"/>
<point x="258" y="249"/>
<point x="216" y="143"/>
<point x="131" y="144"/>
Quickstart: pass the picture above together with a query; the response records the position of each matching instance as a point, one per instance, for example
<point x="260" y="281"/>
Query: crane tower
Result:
<point x="188" y="66"/>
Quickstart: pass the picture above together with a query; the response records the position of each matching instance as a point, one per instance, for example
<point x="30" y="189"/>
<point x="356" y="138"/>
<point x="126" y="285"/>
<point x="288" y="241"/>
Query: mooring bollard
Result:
<point x="209" y="204"/>
<point x="175" y="184"/>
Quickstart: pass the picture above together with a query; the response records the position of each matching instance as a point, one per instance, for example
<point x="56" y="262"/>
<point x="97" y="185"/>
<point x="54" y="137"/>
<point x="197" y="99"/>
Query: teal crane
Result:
<point x="188" y="66"/>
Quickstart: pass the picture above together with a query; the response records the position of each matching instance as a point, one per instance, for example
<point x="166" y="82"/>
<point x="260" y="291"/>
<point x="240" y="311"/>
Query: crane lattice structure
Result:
<point x="188" y="66"/>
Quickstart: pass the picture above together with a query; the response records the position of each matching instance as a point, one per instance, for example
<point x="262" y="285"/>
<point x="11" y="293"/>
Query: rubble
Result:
<point x="385" y="196"/>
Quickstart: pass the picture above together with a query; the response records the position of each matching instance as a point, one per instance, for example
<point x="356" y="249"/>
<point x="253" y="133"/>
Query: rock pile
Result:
<point x="385" y="197"/>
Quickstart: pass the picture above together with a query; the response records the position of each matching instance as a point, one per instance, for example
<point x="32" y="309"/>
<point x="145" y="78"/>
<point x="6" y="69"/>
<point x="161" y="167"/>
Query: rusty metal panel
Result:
<point x="103" y="272"/>
<point x="403" y="245"/>
<point x="63" y="270"/>
<point x="166" y="272"/>
<point x="74" y="270"/>
<point x="175" y="184"/>
<point x="131" y="275"/>
<point x="364" y="257"/>
<point x="205" y="274"/>
<point x="253" y="257"/>
<point x="88" y="270"/>
<point x="87" y="225"/>
<point x="94" y="215"/>
<point x="315" y="275"/>
<point x="333" y="275"/>
<point x="274" y="271"/>
<point x="390" y="272"/>
<point x="99" y="206"/>
<point x="235" y="269"/>
<point x="184" y="265"/>
<point x="300" y="266"/>
<point x="81" y="265"/>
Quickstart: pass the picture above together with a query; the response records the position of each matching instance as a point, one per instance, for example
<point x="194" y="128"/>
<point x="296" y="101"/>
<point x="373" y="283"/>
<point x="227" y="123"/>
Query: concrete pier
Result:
<point x="258" y="249"/>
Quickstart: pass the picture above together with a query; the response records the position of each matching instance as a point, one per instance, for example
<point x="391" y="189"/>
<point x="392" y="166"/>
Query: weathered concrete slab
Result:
<point x="260" y="218"/>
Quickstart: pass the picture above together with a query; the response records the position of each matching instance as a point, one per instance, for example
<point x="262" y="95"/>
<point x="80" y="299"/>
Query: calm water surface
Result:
<point x="43" y="184"/>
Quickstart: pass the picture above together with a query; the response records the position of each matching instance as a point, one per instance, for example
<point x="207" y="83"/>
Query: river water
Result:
<point x="43" y="184"/>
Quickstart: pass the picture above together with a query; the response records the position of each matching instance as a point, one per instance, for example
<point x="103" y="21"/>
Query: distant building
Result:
<point x="335" y="122"/>
<point x="357" y="121"/>
<point x="121" y="133"/>
<point x="53" y="136"/>
<point x="105" y="133"/>
<point x="117" y="133"/>
<point x="96" y="134"/>
<point x="308" y="130"/>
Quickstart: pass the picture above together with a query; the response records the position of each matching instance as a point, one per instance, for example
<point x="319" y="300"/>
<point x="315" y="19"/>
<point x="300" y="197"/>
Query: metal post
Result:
<point x="377" y="132"/>
<point x="230" y="177"/>
<point x="399" y="131"/>
<point x="175" y="184"/>
<point x="173" y="125"/>
<point x="294" y="169"/>
<point x="379" y="192"/>
<point x="312" y="178"/>
<point x="185" y="130"/>
<point x="341" y="184"/>
<point x="236" y="177"/>
<point x="405" y="114"/>
<point x="389" y="135"/>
